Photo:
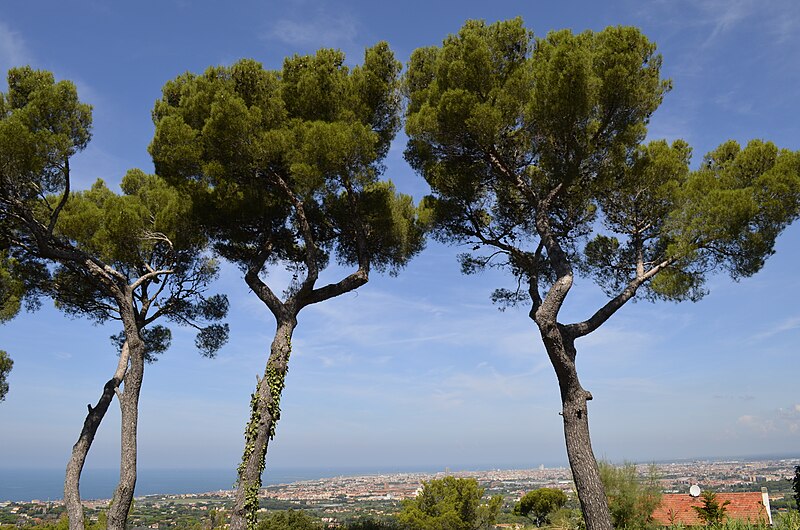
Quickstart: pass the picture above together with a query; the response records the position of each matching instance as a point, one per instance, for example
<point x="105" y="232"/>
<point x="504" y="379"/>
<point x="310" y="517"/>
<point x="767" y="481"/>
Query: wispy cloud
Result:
<point x="13" y="51"/>
<point x="724" y="15"/>
<point x="487" y="382"/>
<point x="714" y="17"/>
<point x="785" y="21"/>
<point x="718" y="18"/>
<point x="785" y="325"/>
<point x="321" y="29"/>
<point x="780" y="421"/>
<point x="731" y="101"/>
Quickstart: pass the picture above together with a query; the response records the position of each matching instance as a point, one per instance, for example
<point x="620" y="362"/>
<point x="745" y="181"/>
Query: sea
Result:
<point x="48" y="484"/>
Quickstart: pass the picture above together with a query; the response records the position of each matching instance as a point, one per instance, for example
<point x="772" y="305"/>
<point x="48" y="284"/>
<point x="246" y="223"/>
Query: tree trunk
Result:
<point x="129" y="408"/>
<point x="575" y="413"/>
<point x="264" y="415"/>
<point x="72" y="496"/>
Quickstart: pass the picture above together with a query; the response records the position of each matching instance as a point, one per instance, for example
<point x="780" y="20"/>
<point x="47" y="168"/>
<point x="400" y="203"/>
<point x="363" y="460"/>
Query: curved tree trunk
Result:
<point x="72" y="496"/>
<point x="264" y="415"/>
<point x="575" y="413"/>
<point x="129" y="408"/>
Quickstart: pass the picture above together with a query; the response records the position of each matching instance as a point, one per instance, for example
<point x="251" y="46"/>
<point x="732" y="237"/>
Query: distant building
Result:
<point x="750" y="507"/>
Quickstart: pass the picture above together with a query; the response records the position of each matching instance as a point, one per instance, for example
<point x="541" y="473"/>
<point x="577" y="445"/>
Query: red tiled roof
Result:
<point x="677" y="508"/>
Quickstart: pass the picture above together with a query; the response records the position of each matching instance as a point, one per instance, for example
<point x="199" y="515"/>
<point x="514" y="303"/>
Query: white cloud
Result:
<point x="731" y="101"/>
<point x="724" y="15"/>
<point x="781" y="421"/>
<point x="329" y="361"/>
<point x="756" y="424"/>
<point x="13" y="51"/>
<point x="486" y="382"/>
<point x="717" y="18"/>
<point x="785" y="24"/>
<point x="785" y="325"/>
<point x="319" y="30"/>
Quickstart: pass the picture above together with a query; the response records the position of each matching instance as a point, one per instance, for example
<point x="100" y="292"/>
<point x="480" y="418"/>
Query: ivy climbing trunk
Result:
<point x="129" y="409"/>
<point x="72" y="496"/>
<point x="265" y="412"/>
<point x="575" y="415"/>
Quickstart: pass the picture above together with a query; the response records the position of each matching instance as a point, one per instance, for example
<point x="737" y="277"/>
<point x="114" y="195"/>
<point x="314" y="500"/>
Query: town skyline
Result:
<point x="354" y="489"/>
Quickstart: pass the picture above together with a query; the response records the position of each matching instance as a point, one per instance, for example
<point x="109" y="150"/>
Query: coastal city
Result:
<point x="344" y="498"/>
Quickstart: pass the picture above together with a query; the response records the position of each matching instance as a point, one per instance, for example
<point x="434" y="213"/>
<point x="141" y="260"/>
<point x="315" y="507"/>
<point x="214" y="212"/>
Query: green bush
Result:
<point x="630" y="500"/>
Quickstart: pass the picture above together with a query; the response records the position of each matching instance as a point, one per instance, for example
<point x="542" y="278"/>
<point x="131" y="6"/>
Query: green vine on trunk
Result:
<point x="276" y="381"/>
<point x="251" y="504"/>
<point x="251" y="489"/>
<point x="251" y="430"/>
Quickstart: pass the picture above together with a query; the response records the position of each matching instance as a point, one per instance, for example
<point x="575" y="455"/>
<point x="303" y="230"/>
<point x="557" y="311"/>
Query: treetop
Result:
<point x="284" y="165"/>
<point x="534" y="148"/>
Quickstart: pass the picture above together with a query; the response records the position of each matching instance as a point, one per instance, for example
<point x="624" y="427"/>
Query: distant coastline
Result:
<point x="48" y="484"/>
<point x="21" y="485"/>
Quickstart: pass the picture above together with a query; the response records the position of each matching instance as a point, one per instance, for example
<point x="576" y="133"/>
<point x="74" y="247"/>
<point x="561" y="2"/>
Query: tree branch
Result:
<point x="146" y="302"/>
<point x="261" y="289"/>
<point x="555" y="297"/>
<point x="332" y="290"/>
<point x="581" y="329"/>
<point x="149" y="276"/>
<point x="524" y="189"/>
<point x="305" y="228"/>
<point x="54" y="216"/>
<point x="533" y="282"/>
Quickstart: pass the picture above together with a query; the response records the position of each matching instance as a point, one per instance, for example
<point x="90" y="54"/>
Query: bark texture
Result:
<point x="264" y="415"/>
<point x="575" y="415"/>
<point x="129" y="411"/>
<point x="72" y="496"/>
<point x="559" y="341"/>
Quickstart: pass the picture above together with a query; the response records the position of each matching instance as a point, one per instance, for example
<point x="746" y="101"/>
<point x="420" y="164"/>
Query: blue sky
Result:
<point x="421" y="370"/>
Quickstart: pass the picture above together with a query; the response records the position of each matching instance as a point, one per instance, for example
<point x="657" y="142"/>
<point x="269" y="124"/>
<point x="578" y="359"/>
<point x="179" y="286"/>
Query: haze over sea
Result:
<point x="48" y="484"/>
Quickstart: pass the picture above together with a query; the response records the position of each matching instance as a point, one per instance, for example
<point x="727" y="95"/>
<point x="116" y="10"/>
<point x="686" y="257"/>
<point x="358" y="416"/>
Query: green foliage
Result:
<point x="712" y="513"/>
<point x="5" y="368"/>
<point x="373" y="524"/>
<point x="283" y="169"/>
<point x="157" y="340"/>
<point x="567" y="519"/>
<point x="42" y="124"/>
<point x="144" y="229"/>
<point x="509" y="131"/>
<point x="537" y="505"/>
<point x="288" y="520"/>
<point x="796" y="486"/>
<point x="12" y="287"/>
<point x="61" y="524"/>
<point x="100" y="524"/>
<point x="549" y="110"/>
<point x="450" y="504"/>
<point x="144" y="233"/>
<point x="787" y="521"/>
<point x="630" y="500"/>
<point x="251" y="501"/>
<point x="252" y="145"/>
<point x="533" y="149"/>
